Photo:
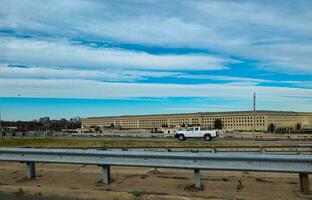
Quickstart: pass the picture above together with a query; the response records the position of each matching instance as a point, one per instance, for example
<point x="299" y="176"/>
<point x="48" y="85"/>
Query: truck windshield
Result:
<point x="190" y="129"/>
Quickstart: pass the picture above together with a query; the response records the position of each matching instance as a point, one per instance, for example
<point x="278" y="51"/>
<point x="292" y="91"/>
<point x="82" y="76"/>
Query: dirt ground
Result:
<point x="84" y="182"/>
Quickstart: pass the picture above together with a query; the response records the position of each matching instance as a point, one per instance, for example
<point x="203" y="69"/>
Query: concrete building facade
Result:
<point x="238" y="120"/>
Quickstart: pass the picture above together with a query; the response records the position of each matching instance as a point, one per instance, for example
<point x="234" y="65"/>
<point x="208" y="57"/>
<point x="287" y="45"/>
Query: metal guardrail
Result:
<point x="274" y="150"/>
<point x="267" y="136"/>
<point x="301" y="164"/>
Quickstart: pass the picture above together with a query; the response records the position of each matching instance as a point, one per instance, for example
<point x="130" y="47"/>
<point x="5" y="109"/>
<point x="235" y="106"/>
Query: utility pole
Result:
<point x="0" y="123"/>
<point x="254" y="113"/>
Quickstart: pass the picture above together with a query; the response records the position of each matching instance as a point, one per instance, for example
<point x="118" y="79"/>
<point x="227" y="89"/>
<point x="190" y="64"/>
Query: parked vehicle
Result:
<point x="197" y="132"/>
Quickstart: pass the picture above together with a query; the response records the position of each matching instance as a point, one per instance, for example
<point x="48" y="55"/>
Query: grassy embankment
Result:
<point x="105" y="143"/>
<point x="113" y="143"/>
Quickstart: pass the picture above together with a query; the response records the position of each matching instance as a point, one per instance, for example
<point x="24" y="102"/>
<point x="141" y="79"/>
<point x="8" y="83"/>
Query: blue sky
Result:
<point x="93" y="58"/>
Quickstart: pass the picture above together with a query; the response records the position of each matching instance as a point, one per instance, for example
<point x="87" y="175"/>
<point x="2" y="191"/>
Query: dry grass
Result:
<point x="112" y="143"/>
<point x="104" y="143"/>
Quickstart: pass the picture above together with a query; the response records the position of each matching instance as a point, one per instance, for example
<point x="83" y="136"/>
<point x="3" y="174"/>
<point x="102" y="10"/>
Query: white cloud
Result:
<point x="277" y="33"/>
<point x="292" y="58"/>
<point x="65" y="54"/>
<point x="64" y="88"/>
<point x="224" y="78"/>
<point x="302" y="84"/>
<point x="10" y="72"/>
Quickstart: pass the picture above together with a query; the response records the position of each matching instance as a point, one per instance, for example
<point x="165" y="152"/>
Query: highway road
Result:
<point x="27" y="197"/>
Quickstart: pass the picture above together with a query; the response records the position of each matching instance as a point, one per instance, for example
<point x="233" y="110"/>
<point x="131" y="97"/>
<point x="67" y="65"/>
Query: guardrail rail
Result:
<point x="301" y="164"/>
<point x="284" y="150"/>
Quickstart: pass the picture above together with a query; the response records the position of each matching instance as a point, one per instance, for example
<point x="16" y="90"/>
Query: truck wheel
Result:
<point x="207" y="137"/>
<point x="181" y="137"/>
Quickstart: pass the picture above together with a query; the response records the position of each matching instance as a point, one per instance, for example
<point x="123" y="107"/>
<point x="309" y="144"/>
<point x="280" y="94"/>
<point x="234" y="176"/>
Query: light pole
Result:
<point x="0" y="123"/>
<point x="254" y="114"/>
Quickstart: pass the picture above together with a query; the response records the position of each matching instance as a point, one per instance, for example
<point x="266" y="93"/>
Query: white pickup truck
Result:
<point x="197" y="132"/>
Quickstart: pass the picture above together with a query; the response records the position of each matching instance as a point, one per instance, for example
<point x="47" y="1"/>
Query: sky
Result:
<point x="118" y="57"/>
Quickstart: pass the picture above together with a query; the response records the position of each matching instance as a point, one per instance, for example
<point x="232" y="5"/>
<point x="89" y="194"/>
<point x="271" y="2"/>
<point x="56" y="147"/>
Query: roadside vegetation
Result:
<point x="103" y="143"/>
<point x="112" y="143"/>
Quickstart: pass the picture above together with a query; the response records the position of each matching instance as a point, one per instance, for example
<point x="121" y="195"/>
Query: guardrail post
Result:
<point x="197" y="179"/>
<point x="30" y="170"/>
<point x="263" y="151"/>
<point x="304" y="183"/>
<point x="106" y="174"/>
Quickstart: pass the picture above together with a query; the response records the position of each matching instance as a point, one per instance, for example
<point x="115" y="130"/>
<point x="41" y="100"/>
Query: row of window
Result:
<point x="227" y="121"/>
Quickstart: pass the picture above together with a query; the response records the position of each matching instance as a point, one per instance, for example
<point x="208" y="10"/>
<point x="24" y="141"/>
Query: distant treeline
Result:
<point x="42" y="124"/>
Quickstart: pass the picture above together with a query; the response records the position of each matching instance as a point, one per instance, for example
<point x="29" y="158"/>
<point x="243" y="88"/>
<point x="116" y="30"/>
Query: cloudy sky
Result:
<point x="95" y="58"/>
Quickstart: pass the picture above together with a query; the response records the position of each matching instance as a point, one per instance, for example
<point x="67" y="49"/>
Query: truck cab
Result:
<point x="197" y="132"/>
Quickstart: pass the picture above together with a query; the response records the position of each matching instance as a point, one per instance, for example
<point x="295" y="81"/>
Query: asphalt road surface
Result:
<point x="5" y="196"/>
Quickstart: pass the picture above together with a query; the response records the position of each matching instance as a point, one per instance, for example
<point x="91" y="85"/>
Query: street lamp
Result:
<point x="0" y="123"/>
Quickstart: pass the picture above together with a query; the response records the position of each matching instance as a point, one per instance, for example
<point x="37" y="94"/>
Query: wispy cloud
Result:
<point x="303" y="84"/>
<point x="65" y="88"/>
<point x="10" y="72"/>
<point x="76" y="48"/>
<point x="224" y="78"/>
<point x="65" y="54"/>
<point x="276" y="33"/>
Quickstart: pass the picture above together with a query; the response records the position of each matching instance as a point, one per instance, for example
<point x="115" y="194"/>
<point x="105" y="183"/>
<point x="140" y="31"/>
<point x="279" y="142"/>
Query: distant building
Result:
<point x="239" y="120"/>
<point x="44" y="120"/>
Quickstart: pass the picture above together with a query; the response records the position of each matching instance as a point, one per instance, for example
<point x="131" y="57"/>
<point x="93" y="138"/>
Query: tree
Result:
<point x="42" y="124"/>
<point x="298" y="127"/>
<point x="97" y="129"/>
<point x="218" y="124"/>
<point x="272" y="128"/>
